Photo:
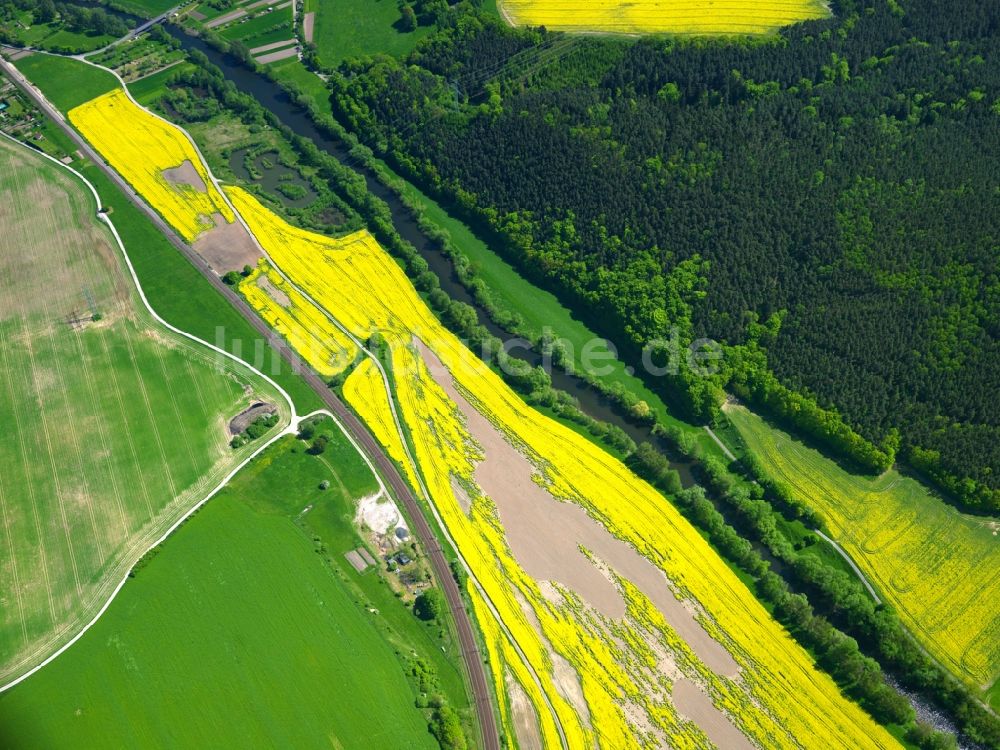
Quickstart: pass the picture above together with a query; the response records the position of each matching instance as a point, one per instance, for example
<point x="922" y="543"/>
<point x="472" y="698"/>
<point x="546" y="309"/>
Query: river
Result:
<point x="273" y="98"/>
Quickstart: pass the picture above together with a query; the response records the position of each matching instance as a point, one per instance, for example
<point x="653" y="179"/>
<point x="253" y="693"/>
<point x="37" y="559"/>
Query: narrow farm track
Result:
<point x="854" y="567"/>
<point x="386" y="468"/>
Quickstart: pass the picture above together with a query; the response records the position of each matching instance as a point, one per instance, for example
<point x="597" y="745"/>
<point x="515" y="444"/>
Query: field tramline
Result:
<point x="617" y="605"/>
<point x="937" y="567"/>
<point x="445" y="395"/>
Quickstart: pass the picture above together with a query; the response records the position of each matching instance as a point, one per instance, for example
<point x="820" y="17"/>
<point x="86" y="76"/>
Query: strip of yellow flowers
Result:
<point x="502" y="656"/>
<point x="325" y="347"/>
<point x="365" y="391"/>
<point x="140" y="147"/>
<point x="664" y="16"/>
<point x="779" y="698"/>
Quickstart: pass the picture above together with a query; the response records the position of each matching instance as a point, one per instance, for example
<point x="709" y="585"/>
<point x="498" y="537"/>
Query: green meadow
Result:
<point x="247" y="628"/>
<point x="360" y="27"/>
<point x="65" y="82"/>
<point x="115" y="426"/>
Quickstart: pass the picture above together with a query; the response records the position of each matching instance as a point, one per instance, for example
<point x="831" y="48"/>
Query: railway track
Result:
<point x="482" y="697"/>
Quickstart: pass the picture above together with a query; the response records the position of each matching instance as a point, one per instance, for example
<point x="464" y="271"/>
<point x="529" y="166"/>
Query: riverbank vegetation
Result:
<point x="412" y="266"/>
<point x="359" y="284"/>
<point x="679" y="436"/>
<point x="875" y="355"/>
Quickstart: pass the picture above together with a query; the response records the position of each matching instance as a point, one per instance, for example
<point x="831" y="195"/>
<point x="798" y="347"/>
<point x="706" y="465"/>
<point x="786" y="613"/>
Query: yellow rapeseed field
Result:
<point x="935" y="566"/>
<point x="326" y="348"/>
<point x="365" y="391"/>
<point x="140" y="147"/>
<point x="626" y="667"/>
<point x="708" y="17"/>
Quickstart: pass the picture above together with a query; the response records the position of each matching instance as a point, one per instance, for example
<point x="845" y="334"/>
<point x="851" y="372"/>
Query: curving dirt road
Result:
<point x="400" y="490"/>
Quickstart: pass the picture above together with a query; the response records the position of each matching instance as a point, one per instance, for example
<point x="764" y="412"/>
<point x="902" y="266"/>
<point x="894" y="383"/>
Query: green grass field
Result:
<point x="993" y="696"/>
<point x="66" y="82"/>
<point x="360" y="27"/>
<point x="149" y="90"/>
<point x="937" y="567"/>
<point x="51" y="35"/>
<point x="248" y="31"/>
<point x="175" y="288"/>
<point x="144" y="8"/>
<point x="280" y="34"/>
<point x="293" y="71"/>
<point x="115" y="427"/>
<point x="237" y="634"/>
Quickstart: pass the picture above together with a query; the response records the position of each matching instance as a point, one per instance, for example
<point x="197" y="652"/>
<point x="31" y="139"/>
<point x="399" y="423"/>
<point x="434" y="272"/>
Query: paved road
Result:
<point x="400" y="490"/>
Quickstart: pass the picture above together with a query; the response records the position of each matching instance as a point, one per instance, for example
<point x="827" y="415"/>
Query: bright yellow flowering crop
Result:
<point x="626" y="668"/>
<point x="935" y="566"/>
<point x="663" y="16"/>
<point x="325" y="347"/>
<point x="365" y="392"/>
<point x="140" y="147"/>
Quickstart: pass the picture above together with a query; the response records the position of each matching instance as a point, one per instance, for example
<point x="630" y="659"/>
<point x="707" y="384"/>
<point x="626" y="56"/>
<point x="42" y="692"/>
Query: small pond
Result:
<point x="278" y="180"/>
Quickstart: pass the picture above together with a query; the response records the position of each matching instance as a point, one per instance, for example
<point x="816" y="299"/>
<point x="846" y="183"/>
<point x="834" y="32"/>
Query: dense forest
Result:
<point x="825" y="203"/>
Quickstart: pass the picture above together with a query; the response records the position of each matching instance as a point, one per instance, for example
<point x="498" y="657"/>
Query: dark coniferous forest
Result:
<point x="825" y="203"/>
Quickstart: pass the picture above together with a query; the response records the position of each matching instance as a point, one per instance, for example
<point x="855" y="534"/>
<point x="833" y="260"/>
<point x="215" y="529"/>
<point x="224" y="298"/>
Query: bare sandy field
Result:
<point x="271" y="46"/>
<point x="281" y="54"/>
<point x="693" y="704"/>
<point x="525" y="721"/>
<point x="227" y="247"/>
<point x="273" y="292"/>
<point x="185" y="174"/>
<point x="225" y="19"/>
<point x="545" y="535"/>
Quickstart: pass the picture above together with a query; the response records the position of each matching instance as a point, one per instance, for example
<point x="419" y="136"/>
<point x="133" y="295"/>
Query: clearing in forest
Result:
<point x="631" y="627"/>
<point x="114" y="427"/>
<point x="721" y="17"/>
<point x="938" y="568"/>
